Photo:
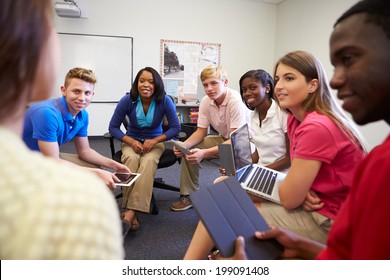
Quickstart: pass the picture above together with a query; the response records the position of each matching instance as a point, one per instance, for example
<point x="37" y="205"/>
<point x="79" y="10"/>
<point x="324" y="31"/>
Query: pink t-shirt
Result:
<point x="318" y="138"/>
<point x="361" y="230"/>
<point x="232" y="113"/>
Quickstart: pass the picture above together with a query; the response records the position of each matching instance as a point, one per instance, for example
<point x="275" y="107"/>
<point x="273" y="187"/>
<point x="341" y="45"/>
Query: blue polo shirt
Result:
<point x="51" y="121"/>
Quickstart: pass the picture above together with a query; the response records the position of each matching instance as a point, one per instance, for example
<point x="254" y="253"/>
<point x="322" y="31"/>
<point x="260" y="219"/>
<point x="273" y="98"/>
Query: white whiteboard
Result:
<point x="109" y="57"/>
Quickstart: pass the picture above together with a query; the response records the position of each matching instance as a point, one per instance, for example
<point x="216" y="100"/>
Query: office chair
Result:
<point x="167" y="159"/>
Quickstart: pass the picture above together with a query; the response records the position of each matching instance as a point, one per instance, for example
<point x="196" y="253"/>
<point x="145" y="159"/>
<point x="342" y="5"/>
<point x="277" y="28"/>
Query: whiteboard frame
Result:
<point x="70" y="58"/>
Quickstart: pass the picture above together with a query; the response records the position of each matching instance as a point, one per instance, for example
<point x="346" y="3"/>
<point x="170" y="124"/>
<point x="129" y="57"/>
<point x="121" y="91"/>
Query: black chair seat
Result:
<point x="167" y="159"/>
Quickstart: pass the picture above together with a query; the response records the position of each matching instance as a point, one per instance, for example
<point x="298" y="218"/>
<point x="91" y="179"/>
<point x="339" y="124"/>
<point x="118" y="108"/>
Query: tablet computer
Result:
<point x="182" y="148"/>
<point x="127" y="179"/>
<point x="227" y="212"/>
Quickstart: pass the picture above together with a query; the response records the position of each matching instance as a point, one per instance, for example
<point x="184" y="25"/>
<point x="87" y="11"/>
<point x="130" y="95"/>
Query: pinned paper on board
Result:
<point x="183" y="61"/>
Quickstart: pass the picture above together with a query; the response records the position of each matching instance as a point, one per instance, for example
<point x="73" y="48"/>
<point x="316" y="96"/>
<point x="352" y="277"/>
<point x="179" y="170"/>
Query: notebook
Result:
<point x="256" y="179"/>
<point x="227" y="212"/>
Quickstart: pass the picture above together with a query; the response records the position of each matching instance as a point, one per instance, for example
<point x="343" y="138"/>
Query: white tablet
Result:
<point x="127" y="179"/>
<point x="182" y="148"/>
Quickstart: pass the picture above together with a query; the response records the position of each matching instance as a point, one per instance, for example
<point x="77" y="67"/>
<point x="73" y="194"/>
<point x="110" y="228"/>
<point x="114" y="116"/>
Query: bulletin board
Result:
<point x="109" y="57"/>
<point x="181" y="63"/>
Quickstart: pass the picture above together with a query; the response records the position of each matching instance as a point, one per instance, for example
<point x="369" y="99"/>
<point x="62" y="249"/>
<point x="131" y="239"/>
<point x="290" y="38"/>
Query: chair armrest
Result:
<point x="108" y="136"/>
<point x="182" y="136"/>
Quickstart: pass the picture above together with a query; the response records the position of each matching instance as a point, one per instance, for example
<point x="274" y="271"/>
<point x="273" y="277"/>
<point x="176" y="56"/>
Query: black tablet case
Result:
<point x="227" y="212"/>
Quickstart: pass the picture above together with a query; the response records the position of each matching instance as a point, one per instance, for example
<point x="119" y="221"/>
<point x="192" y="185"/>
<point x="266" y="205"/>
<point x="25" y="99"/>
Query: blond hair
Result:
<point x="80" y="73"/>
<point x="213" y="71"/>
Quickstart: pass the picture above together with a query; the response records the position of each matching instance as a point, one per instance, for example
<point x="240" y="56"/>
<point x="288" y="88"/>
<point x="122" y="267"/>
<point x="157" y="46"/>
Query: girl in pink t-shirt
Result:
<point x="325" y="148"/>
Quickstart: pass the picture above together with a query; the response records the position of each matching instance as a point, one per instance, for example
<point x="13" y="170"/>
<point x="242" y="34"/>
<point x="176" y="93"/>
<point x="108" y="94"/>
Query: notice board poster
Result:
<point x="181" y="63"/>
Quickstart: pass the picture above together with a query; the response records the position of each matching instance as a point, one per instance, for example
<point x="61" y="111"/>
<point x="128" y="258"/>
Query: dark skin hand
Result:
<point x="294" y="245"/>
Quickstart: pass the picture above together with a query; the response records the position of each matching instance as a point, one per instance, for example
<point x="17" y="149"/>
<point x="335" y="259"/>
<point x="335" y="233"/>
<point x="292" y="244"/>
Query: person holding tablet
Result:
<point x="222" y="109"/>
<point x="54" y="122"/>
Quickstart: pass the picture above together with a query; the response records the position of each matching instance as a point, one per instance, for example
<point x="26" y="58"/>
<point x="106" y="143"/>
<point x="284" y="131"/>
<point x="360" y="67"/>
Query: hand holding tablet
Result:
<point x="182" y="148"/>
<point x="127" y="179"/>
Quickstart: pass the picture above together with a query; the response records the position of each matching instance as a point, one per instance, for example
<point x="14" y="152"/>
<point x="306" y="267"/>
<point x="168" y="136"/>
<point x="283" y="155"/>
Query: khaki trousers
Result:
<point x="189" y="177"/>
<point x="73" y="158"/>
<point x="137" y="197"/>
<point x="309" y="224"/>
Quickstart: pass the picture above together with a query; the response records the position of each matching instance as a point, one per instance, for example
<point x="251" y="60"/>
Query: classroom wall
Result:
<point x="235" y="24"/>
<point x="307" y="25"/>
<point x="253" y="34"/>
<point x="244" y="28"/>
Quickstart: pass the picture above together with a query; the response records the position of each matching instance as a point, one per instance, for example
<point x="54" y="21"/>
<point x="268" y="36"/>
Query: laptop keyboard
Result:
<point x="262" y="180"/>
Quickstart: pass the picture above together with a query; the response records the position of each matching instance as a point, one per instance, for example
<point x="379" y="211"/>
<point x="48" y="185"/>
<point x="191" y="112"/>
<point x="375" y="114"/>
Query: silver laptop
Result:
<point x="233" y="159"/>
<point x="254" y="178"/>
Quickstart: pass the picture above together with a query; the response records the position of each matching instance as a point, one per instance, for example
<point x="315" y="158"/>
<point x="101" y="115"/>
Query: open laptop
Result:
<point x="254" y="178"/>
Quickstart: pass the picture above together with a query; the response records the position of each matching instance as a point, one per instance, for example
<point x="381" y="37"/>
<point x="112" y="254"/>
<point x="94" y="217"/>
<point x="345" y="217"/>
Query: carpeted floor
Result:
<point x="165" y="236"/>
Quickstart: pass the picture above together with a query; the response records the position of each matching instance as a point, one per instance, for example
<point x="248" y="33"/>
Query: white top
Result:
<point x="232" y="113"/>
<point x="269" y="139"/>
<point x="51" y="210"/>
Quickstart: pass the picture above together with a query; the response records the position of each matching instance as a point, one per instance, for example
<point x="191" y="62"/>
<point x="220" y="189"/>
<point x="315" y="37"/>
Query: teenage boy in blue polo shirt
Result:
<point x="54" y="122"/>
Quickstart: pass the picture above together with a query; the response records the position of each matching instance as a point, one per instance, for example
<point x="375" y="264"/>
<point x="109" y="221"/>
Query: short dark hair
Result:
<point x="378" y="13"/>
<point x="159" y="91"/>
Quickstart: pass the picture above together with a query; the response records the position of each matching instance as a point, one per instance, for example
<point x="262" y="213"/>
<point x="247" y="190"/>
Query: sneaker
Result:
<point x="183" y="204"/>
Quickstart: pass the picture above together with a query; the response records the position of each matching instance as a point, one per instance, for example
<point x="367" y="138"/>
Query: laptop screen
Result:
<point x="241" y="147"/>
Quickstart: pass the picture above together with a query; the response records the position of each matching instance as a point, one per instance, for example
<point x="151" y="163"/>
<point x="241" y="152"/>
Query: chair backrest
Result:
<point x="125" y="122"/>
<point x="165" y="124"/>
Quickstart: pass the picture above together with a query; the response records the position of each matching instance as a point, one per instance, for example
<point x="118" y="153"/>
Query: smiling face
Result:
<point x="78" y="95"/>
<point x="146" y="86"/>
<point x="253" y="92"/>
<point x="360" y="54"/>
<point x="292" y="89"/>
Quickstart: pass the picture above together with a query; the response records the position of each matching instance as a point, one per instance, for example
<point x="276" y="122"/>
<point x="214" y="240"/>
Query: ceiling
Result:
<point x="269" y="1"/>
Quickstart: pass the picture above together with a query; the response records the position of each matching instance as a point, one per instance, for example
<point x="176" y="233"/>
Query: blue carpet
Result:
<point x="165" y="236"/>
